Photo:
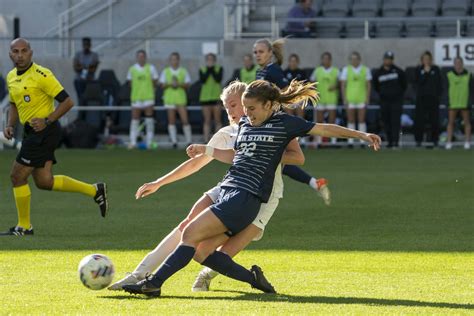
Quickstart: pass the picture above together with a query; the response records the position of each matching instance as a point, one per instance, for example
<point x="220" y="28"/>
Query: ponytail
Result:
<point x="298" y="92"/>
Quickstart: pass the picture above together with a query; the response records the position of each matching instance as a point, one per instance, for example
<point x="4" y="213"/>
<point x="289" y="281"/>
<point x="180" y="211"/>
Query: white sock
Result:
<point x="351" y="125"/>
<point x="211" y="273"/>
<point x="134" y="132"/>
<point x="155" y="258"/>
<point x="313" y="183"/>
<point x="173" y="133"/>
<point x="150" y="130"/>
<point x="187" y="133"/>
<point x="362" y="128"/>
<point x="333" y="140"/>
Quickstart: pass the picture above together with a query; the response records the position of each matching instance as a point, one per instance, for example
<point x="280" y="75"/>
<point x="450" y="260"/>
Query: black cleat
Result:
<point x="18" y="231"/>
<point x="101" y="198"/>
<point x="143" y="287"/>
<point x="261" y="282"/>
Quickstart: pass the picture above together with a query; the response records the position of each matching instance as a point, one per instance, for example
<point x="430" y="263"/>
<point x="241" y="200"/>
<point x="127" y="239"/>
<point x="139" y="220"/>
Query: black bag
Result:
<point x="80" y="134"/>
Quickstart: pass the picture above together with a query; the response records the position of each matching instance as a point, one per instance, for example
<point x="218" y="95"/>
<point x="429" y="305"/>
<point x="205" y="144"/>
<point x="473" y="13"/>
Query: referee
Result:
<point x="33" y="89"/>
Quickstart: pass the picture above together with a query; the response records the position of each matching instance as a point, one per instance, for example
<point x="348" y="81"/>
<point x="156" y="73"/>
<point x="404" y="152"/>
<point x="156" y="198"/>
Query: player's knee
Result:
<point x="184" y="223"/>
<point x="44" y="184"/>
<point x="189" y="236"/>
<point x="17" y="179"/>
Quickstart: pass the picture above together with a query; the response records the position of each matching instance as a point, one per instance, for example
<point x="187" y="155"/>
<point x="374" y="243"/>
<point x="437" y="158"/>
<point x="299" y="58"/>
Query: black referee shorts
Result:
<point x="38" y="147"/>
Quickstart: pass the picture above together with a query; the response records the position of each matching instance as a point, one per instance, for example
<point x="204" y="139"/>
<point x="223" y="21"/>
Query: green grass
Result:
<point x="398" y="238"/>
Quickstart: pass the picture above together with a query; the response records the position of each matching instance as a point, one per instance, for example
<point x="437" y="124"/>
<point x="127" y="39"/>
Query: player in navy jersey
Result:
<point x="269" y="56"/>
<point x="263" y="135"/>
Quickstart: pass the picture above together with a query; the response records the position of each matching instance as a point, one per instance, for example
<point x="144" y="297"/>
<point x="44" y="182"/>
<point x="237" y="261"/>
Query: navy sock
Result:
<point x="297" y="174"/>
<point x="222" y="263"/>
<point x="175" y="262"/>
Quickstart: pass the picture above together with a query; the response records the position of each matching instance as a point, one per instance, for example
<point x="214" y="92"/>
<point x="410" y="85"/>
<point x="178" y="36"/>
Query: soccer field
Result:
<point x="398" y="238"/>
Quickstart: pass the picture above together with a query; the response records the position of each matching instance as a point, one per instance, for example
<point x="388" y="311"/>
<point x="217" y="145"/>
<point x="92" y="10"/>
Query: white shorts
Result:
<point x="143" y="104"/>
<point x="358" y="106"/>
<point x="264" y="214"/>
<point x="323" y="107"/>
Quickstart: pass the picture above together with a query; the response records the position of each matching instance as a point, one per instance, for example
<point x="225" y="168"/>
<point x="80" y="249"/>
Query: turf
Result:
<point x="398" y="238"/>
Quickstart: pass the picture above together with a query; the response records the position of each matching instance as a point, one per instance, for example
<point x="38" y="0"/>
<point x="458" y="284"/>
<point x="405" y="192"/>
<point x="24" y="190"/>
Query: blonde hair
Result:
<point x="235" y="87"/>
<point x="298" y="92"/>
<point x="276" y="47"/>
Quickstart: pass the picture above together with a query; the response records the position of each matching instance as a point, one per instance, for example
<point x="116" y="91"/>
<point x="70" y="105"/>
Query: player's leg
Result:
<point x="150" y="125"/>
<point x="45" y="180"/>
<point x="21" y="191"/>
<point x="319" y="119"/>
<point x="319" y="185"/>
<point x="235" y="244"/>
<point x="433" y="113"/>
<point x="385" y="113"/>
<point x="217" y="114"/>
<point x="351" y="120"/>
<point x="361" y="119"/>
<point x="183" y="115"/>
<point x="467" y="128"/>
<point x="172" y="131"/>
<point x="332" y="120"/>
<point x="134" y="125"/>
<point x="207" y="117"/>
<point x="395" y="116"/>
<point x="155" y="258"/>
<point x="451" y="118"/>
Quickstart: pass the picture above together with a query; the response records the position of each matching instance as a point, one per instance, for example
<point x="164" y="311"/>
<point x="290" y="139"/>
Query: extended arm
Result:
<point x="223" y="155"/>
<point x="333" y="130"/>
<point x="184" y="170"/>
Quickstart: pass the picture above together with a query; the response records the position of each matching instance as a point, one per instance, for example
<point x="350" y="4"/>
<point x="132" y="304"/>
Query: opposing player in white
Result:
<point x="223" y="139"/>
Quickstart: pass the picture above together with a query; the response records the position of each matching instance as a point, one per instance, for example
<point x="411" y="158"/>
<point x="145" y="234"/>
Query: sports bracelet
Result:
<point x="209" y="151"/>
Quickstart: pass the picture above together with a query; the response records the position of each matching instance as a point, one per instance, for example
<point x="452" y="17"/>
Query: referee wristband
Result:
<point x="209" y="151"/>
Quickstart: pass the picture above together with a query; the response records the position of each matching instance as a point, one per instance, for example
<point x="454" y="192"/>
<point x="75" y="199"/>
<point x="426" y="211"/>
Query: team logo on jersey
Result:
<point x="268" y="125"/>
<point x="27" y="98"/>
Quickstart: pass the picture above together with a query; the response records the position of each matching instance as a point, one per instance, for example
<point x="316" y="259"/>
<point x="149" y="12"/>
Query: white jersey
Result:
<point x="225" y="139"/>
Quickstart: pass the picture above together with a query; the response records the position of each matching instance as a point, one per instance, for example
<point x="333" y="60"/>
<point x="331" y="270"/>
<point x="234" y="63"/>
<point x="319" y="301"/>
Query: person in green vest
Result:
<point x="210" y="77"/>
<point x="175" y="80"/>
<point x="327" y="77"/>
<point x="143" y="79"/>
<point x="355" y="89"/>
<point x="460" y="83"/>
<point x="248" y="72"/>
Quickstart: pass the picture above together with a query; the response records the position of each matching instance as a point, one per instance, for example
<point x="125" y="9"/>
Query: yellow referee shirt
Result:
<point x="33" y="92"/>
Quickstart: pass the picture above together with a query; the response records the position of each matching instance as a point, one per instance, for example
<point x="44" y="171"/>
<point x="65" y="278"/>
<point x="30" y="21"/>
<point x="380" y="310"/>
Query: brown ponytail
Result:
<point x="276" y="47"/>
<point x="298" y="92"/>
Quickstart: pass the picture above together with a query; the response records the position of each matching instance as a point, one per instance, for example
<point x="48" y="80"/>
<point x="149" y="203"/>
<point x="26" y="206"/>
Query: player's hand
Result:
<point x="373" y="140"/>
<point x="8" y="132"/>
<point x="195" y="150"/>
<point x="147" y="189"/>
<point x="38" y="124"/>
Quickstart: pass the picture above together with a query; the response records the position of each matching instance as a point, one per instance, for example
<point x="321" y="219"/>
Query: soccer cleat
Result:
<point x="101" y="198"/>
<point x="18" y="231"/>
<point x="467" y="145"/>
<point x="448" y="146"/>
<point x="143" y="287"/>
<point x="127" y="280"/>
<point x="261" y="282"/>
<point x="323" y="190"/>
<point x="202" y="282"/>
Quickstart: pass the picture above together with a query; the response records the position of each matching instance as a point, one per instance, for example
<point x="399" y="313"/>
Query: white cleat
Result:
<point x="323" y="191"/>
<point x="202" y="282"/>
<point x="467" y="145"/>
<point x="448" y="146"/>
<point x="130" y="279"/>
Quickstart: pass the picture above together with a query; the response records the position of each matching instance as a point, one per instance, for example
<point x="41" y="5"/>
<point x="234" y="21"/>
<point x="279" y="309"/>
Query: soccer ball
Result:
<point x="96" y="271"/>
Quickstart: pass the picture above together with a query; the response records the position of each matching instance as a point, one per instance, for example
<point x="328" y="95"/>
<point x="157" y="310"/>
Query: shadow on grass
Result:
<point x="244" y="296"/>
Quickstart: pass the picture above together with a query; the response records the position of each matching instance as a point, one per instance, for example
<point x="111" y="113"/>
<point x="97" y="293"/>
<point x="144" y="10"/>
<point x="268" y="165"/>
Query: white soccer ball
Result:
<point x="96" y="271"/>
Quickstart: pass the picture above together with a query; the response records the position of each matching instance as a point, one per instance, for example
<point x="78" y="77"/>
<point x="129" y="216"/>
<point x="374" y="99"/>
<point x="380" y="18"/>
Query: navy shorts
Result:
<point x="39" y="147"/>
<point x="236" y="208"/>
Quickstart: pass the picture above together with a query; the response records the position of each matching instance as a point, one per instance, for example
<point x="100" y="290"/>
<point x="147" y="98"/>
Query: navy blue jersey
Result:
<point x="274" y="74"/>
<point x="259" y="150"/>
